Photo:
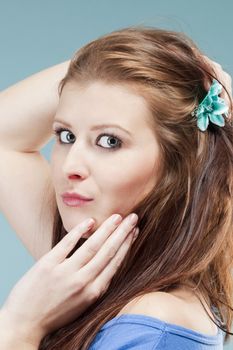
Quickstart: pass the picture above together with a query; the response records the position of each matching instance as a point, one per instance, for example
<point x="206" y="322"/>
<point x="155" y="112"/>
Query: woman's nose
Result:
<point x="75" y="164"/>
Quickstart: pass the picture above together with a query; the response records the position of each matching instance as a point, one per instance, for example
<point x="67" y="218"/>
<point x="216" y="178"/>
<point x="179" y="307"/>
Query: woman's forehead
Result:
<point x="104" y="103"/>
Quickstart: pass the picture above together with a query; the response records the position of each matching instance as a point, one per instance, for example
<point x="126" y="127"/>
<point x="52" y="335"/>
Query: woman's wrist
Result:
<point x="17" y="335"/>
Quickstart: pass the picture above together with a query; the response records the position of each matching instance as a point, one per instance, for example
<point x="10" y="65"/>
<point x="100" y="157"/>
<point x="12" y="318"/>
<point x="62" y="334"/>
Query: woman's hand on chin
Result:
<point x="57" y="289"/>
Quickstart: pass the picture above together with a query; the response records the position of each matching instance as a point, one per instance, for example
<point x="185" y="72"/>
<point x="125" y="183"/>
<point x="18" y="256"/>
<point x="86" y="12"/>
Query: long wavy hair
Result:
<point x="186" y="221"/>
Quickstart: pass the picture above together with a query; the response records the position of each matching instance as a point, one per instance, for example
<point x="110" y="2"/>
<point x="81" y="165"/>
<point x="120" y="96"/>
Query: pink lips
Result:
<point x="75" y="199"/>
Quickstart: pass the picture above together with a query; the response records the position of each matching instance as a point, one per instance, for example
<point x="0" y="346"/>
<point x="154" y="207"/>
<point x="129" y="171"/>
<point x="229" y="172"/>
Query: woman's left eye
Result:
<point x="108" y="139"/>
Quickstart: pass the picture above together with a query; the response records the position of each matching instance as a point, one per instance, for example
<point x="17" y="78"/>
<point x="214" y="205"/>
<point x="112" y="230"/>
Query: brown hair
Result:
<point x="186" y="221"/>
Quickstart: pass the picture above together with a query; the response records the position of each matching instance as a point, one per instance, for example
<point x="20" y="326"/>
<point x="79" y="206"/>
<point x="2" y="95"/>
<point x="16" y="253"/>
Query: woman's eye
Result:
<point x="110" y="141"/>
<point x="58" y="133"/>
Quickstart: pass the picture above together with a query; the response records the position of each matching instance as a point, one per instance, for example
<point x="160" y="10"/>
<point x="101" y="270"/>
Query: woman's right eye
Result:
<point x="58" y="133"/>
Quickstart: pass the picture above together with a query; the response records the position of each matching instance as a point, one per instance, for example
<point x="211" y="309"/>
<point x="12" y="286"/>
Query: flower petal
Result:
<point x="207" y="101"/>
<point x="219" y="108"/>
<point x="211" y="108"/>
<point x="202" y="122"/>
<point x="217" y="119"/>
<point x="215" y="88"/>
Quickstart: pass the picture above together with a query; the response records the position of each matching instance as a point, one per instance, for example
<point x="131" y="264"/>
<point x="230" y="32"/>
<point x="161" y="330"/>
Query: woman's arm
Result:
<point x="27" y="109"/>
<point x="13" y="337"/>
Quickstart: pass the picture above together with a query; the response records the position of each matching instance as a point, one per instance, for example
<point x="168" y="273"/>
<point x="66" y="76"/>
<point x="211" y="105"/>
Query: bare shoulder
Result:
<point x="177" y="308"/>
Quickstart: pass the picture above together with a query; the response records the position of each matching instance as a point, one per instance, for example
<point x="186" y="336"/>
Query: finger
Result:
<point x="60" y="251"/>
<point x="222" y="76"/>
<point x="227" y="82"/>
<point x="102" y="282"/>
<point x="220" y="73"/>
<point x="93" y="244"/>
<point x="215" y="67"/>
<point x="96" y="265"/>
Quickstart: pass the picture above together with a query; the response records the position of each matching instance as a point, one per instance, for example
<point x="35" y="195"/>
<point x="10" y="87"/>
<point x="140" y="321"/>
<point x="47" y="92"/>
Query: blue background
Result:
<point x="37" y="34"/>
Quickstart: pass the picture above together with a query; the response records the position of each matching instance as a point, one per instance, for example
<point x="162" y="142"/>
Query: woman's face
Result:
<point x="115" y="171"/>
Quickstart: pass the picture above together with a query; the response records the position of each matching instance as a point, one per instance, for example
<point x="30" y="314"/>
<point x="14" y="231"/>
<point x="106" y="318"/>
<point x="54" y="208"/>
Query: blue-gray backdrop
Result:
<point x="37" y="34"/>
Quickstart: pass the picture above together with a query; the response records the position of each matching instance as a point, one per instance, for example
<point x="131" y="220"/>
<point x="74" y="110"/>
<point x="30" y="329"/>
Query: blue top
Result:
<point x="140" y="332"/>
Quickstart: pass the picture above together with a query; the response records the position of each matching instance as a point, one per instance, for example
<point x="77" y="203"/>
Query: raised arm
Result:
<point x="27" y="110"/>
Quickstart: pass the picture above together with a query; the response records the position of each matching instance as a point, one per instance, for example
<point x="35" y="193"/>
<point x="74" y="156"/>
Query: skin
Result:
<point x="116" y="178"/>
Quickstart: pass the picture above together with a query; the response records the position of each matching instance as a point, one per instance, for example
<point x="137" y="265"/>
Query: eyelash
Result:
<point x="57" y="132"/>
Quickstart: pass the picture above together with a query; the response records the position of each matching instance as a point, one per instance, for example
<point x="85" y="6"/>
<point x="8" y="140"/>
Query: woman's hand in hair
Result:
<point x="57" y="289"/>
<point x="224" y="78"/>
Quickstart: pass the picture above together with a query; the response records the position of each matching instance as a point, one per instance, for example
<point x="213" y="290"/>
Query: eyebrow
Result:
<point x="96" y="127"/>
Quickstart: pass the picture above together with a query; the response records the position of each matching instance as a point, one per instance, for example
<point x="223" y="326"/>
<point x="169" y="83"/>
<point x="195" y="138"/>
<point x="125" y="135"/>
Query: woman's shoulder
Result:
<point x="180" y="307"/>
<point x="160" y="320"/>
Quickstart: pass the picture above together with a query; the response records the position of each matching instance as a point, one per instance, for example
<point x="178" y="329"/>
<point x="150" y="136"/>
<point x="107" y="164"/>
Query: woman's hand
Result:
<point x="223" y="77"/>
<point x="57" y="289"/>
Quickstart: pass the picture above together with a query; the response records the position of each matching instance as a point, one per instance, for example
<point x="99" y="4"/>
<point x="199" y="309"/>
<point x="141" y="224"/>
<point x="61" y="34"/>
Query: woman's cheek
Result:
<point x="125" y="187"/>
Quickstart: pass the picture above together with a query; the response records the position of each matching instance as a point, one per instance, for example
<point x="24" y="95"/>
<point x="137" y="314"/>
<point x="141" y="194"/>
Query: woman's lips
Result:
<point x="74" y="202"/>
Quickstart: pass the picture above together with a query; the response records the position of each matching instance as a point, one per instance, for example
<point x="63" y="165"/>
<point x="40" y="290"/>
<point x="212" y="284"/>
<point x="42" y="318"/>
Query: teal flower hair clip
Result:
<point x="211" y="108"/>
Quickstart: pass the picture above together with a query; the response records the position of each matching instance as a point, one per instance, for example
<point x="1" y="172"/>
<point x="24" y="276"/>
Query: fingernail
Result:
<point x="135" y="233"/>
<point x="133" y="218"/>
<point x="116" y="219"/>
<point x="88" y="223"/>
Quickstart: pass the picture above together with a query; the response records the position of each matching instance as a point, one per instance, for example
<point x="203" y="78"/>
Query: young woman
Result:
<point x="142" y="126"/>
